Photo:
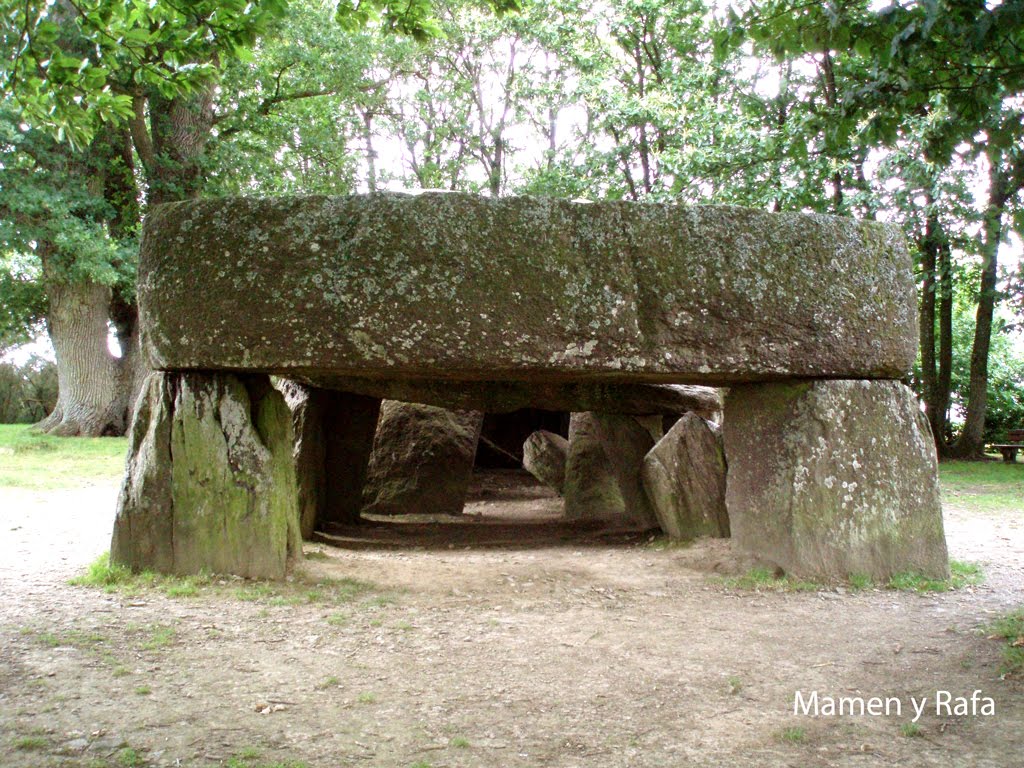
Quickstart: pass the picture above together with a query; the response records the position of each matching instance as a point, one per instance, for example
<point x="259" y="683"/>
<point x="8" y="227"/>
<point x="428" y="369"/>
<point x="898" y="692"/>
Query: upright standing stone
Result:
<point x="422" y="460"/>
<point x="307" y="407"/>
<point x="684" y="479"/>
<point x="626" y="440"/>
<point x="349" y="426"/>
<point x="591" y="489"/>
<point x="210" y="479"/>
<point x="544" y="456"/>
<point x="832" y="478"/>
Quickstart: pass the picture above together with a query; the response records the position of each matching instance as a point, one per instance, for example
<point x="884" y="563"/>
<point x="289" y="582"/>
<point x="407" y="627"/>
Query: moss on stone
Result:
<point x="834" y="477"/>
<point x="211" y="482"/>
<point x="456" y="286"/>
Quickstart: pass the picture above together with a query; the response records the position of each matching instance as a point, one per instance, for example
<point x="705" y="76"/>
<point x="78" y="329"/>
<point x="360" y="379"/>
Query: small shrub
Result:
<point x="1011" y="629"/>
<point x="860" y="581"/>
<point x="130" y="758"/>
<point x="794" y="735"/>
<point x="30" y="743"/>
<point x="911" y="730"/>
<point x="960" y="575"/>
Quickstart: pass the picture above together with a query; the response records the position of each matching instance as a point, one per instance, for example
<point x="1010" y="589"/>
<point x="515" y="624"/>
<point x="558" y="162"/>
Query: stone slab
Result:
<point x="451" y="286"/>
<point x="684" y="479"/>
<point x="209" y="483"/>
<point x="422" y="460"/>
<point x="830" y="479"/>
<point x="511" y="396"/>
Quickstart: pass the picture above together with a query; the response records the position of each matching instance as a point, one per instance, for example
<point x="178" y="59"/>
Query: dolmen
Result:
<point x="614" y="311"/>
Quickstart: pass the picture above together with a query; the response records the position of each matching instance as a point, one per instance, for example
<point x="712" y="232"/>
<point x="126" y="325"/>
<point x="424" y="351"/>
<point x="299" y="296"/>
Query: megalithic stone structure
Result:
<point x="474" y="303"/>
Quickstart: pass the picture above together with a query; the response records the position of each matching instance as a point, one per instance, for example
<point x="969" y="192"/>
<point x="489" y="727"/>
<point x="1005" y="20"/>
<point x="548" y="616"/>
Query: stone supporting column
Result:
<point x="684" y="478"/>
<point x="422" y="460"/>
<point x="349" y="423"/>
<point x="591" y="489"/>
<point x="307" y="407"/>
<point x="832" y="478"/>
<point x="210" y="479"/>
<point x="544" y="456"/>
<point x="626" y="440"/>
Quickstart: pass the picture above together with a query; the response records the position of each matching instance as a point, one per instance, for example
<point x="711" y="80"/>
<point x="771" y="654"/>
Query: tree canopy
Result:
<point x="910" y="113"/>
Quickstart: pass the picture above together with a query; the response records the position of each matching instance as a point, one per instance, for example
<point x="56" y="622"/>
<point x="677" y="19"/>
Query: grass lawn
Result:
<point x="983" y="486"/>
<point x="31" y="460"/>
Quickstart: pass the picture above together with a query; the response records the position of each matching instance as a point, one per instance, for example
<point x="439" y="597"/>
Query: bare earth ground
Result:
<point x="538" y="646"/>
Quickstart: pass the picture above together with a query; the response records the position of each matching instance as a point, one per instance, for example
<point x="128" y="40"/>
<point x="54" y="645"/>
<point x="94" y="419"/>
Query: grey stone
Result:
<point x="210" y="479"/>
<point x="334" y="433"/>
<point x="684" y="479"/>
<point x="626" y="441"/>
<point x="509" y="396"/>
<point x="307" y="407"/>
<point x="832" y="478"/>
<point x="350" y="428"/>
<point x="544" y="456"/>
<point x="422" y="460"/>
<point x="465" y="288"/>
<point x="591" y="488"/>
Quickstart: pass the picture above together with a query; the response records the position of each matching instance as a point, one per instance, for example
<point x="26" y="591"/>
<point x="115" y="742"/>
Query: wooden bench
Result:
<point x="1015" y="443"/>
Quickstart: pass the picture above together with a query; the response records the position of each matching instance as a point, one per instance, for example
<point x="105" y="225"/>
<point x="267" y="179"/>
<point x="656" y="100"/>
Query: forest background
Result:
<point x="911" y="113"/>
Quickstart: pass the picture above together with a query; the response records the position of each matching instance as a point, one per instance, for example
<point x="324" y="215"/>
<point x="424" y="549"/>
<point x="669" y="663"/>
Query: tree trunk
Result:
<point x="944" y="384"/>
<point x="926" y="323"/>
<point x="87" y="404"/>
<point x="89" y="401"/>
<point x="971" y="443"/>
<point x="131" y="368"/>
<point x="936" y="292"/>
<point x="180" y="129"/>
<point x="121" y="192"/>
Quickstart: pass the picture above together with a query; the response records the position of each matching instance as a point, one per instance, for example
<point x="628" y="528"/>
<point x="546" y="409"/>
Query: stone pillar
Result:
<point x="832" y="478"/>
<point x="684" y="479"/>
<point x="422" y="460"/>
<point x="544" y="456"/>
<point x="349" y="423"/>
<point x="307" y="407"/>
<point x="210" y="480"/>
<point x="626" y="440"/>
<point x="591" y="489"/>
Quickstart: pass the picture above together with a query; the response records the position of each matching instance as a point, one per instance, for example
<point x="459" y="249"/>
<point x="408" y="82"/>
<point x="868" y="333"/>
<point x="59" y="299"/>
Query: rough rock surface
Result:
<point x="350" y="427"/>
<point x="833" y="478"/>
<point x="210" y="479"/>
<point x="509" y="396"/>
<point x="684" y="479"/>
<point x="422" y="460"/>
<point x="626" y="441"/>
<point x="334" y="434"/>
<point x="591" y="488"/>
<point x="459" y="287"/>
<point x="307" y="407"/>
<point x="544" y="456"/>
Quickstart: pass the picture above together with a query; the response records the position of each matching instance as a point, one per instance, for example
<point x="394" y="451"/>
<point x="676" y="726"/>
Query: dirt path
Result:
<point x="530" y="652"/>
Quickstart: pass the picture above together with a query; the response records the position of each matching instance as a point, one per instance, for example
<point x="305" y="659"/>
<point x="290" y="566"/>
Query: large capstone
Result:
<point x="833" y="478"/>
<point x="466" y="288"/>
<point x="684" y="479"/>
<point x="210" y="479"/>
<point x="422" y="460"/>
